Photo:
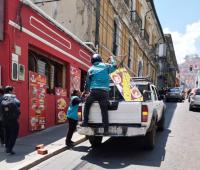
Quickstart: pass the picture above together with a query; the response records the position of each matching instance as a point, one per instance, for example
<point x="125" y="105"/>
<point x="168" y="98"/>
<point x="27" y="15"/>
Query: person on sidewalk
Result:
<point x="72" y="116"/>
<point x="2" y="130"/>
<point x="97" y="83"/>
<point x="10" y="107"/>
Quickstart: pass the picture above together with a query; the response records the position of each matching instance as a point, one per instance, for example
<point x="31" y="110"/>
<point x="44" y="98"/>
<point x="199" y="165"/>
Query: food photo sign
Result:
<point x="75" y="74"/>
<point x="61" y="105"/>
<point x="128" y="90"/>
<point x="37" y="94"/>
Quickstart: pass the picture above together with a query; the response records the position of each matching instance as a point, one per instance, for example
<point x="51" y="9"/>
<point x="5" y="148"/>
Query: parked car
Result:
<point x="191" y="93"/>
<point x="195" y="100"/>
<point x="174" y="94"/>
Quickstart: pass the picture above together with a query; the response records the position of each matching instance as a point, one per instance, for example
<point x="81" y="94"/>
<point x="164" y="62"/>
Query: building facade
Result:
<point x="43" y="61"/>
<point x="168" y="68"/>
<point x="129" y="29"/>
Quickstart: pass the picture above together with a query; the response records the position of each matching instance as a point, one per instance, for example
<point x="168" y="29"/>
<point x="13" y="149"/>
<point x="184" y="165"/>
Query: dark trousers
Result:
<point x="72" y="127"/>
<point x="11" y="133"/>
<point x="102" y="97"/>
<point x="2" y="133"/>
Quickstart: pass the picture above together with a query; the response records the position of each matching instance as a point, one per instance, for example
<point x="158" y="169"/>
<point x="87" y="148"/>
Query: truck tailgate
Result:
<point x="126" y="113"/>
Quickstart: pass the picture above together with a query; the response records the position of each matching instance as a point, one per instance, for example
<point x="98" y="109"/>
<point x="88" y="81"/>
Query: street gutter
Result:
<point x="31" y="165"/>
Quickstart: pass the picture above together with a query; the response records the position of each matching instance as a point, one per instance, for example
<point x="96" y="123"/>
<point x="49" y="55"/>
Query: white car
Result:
<point x="128" y="119"/>
<point x="195" y="100"/>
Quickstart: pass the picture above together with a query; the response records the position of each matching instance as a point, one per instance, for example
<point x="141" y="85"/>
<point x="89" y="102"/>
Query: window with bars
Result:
<point x="45" y="66"/>
<point x="115" y="37"/>
<point x="130" y="47"/>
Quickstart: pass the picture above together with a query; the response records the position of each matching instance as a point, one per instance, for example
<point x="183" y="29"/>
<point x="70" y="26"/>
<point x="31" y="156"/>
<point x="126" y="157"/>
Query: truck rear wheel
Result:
<point x="95" y="140"/>
<point x="150" y="138"/>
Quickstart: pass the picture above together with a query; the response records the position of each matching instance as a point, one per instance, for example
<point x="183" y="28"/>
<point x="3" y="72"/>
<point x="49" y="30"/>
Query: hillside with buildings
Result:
<point x="189" y="70"/>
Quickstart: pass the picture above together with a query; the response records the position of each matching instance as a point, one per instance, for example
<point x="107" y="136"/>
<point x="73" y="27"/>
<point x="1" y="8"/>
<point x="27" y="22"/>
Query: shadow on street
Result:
<point x="116" y="153"/>
<point x="26" y="145"/>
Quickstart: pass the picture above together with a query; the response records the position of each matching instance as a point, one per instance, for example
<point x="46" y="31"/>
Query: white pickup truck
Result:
<point x="128" y="119"/>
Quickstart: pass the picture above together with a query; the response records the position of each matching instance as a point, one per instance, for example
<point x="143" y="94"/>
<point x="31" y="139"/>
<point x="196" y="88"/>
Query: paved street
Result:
<point x="177" y="148"/>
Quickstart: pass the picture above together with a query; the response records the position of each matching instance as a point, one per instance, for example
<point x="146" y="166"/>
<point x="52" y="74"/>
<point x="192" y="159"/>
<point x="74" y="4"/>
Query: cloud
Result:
<point x="185" y="43"/>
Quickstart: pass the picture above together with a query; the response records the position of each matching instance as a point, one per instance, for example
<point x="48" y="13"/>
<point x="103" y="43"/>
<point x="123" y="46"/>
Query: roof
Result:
<point x="54" y="22"/>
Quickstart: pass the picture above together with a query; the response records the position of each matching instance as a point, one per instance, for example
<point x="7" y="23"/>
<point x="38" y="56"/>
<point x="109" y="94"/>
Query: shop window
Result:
<point x="50" y="68"/>
<point x="83" y="79"/>
<point x="32" y="62"/>
<point x="58" y="75"/>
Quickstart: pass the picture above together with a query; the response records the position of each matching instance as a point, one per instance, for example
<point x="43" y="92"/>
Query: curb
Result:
<point x="31" y="165"/>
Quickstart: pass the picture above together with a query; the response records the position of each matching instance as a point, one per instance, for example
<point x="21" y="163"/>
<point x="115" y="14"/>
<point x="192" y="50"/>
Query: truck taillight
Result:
<point x="80" y="113"/>
<point x="145" y="113"/>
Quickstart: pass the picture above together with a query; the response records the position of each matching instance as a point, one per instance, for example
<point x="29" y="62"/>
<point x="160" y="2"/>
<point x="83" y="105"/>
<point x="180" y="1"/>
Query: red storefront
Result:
<point x="42" y="60"/>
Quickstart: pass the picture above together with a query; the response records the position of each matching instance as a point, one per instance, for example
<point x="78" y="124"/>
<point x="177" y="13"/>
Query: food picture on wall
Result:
<point x="75" y="75"/>
<point x="61" y="105"/>
<point x="37" y="93"/>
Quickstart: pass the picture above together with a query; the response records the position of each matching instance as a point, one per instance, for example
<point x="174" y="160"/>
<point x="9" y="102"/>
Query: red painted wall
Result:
<point x="37" y="25"/>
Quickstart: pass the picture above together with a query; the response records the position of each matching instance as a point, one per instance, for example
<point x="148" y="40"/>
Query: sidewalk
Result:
<point x="54" y="140"/>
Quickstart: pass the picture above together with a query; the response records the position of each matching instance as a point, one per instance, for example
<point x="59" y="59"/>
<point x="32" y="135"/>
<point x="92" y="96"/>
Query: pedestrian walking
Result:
<point x="2" y="130"/>
<point x="97" y="83"/>
<point x="9" y="108"/>
<point x="72" y="116"/>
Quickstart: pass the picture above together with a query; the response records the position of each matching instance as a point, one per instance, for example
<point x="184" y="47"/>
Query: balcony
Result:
<point x="136" y="18"/>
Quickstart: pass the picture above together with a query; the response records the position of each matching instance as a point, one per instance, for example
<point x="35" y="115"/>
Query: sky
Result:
<point x="182" y="20"/>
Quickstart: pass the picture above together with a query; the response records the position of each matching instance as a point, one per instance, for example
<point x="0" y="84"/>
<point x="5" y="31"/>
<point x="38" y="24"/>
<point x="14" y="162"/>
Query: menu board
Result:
<point x="128" y="89"/>
<point x="75" y="75"/>
<point x="37" y="94"/>
<point x="61" y="105"/>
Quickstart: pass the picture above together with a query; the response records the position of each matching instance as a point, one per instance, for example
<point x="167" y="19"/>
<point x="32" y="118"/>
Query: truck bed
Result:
<point x="126" y="113"/>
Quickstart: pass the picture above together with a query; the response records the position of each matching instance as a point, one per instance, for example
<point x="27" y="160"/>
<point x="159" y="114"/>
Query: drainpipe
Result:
<point x="97" y="25"/>
<point x="131" y="10"/>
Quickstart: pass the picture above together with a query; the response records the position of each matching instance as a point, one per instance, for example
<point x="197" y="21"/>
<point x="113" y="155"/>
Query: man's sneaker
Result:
<point x="11" y="153"/>
<point x="7" y="150"/>
<point x="70" y="144"/>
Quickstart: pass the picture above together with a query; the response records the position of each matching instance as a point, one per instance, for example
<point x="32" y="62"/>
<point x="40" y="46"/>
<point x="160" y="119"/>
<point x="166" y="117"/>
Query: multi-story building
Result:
<point x="168" y="67"/>
<point x="129" y="29"/>
<point x="190" y="71"/>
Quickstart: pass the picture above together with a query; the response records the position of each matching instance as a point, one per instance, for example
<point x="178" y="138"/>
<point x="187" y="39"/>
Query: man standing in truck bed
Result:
<point x="97" y="82"/>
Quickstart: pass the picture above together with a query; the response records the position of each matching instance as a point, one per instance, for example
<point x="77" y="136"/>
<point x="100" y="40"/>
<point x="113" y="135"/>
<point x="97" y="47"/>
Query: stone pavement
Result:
<point x="26" y="156"/>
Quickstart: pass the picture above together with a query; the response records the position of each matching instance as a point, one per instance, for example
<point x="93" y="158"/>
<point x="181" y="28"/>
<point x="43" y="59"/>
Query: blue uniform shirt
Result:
<point x="72" y="111"/>
<point x="98" y="75"/>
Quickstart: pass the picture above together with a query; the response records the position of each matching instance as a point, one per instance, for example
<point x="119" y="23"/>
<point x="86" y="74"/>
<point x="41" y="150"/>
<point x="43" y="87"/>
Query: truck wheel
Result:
<point x="95" y="140"/>
<point x="161" y="123"/>
<point x="190" y="108"/>
<point x="150" y="139"/>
